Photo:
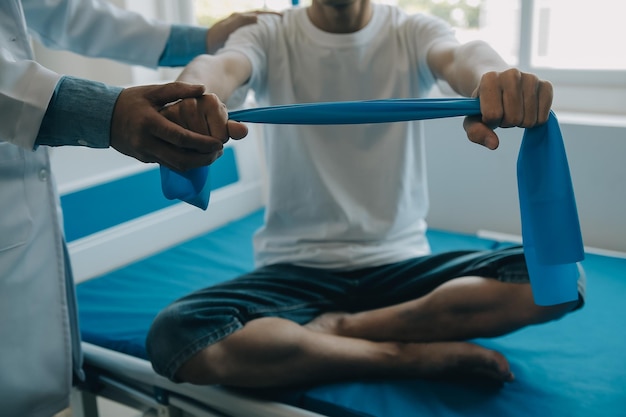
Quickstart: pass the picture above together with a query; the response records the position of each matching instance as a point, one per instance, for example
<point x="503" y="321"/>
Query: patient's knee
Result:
<point x="182" y="330"/>
<point x="244" y="357"/>
<point x="170" y="341"/>
<point x="160" y="341"/>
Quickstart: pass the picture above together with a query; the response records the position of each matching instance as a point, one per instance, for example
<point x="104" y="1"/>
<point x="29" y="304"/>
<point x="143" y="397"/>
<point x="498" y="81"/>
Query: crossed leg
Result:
<point x="419" y="338"/>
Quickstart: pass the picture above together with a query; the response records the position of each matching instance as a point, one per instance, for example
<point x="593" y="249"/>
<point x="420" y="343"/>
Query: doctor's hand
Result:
<point x="140" y="130"/>
<point x="509" y="98"/>
<point x="220" y="31"/>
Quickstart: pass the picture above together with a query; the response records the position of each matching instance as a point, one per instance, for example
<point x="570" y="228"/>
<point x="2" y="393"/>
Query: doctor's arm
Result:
<point x="129" y="119"/>
<point x="508" y="97"/>
<point x="88" y="113"/>
<point x="98" y="28"/>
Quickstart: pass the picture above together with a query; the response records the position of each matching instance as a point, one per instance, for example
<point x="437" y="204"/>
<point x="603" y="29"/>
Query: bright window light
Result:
<point x="575" y="45"/>
<point x="581" y="36"/>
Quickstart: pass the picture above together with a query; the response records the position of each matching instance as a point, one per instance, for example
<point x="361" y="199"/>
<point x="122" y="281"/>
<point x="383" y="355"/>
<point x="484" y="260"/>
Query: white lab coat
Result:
<point x="38" y="332"/>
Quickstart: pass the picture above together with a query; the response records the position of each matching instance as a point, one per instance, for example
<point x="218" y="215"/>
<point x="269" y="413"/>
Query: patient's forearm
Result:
<point x="220" y="74"/>
<point x="469" y="63"/>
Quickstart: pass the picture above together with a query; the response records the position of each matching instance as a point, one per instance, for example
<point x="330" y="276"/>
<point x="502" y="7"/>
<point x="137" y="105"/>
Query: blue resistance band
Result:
<point x="193" y="186"/>
<point x="550" y="226"/>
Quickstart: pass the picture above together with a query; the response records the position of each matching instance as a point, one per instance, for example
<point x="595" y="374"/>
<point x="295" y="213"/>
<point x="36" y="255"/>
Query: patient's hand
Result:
<point x="206" y="115"/>
<point x="194" y="135"/>
<point x="509" y="98"/>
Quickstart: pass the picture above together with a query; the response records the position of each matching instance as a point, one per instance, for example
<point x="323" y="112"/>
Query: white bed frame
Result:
<point x="131" y="381"/>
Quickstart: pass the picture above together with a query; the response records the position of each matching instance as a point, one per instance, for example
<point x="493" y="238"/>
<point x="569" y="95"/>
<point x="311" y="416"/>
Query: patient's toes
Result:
<point x="459" y="360"/>
<point x="481" y="362"/>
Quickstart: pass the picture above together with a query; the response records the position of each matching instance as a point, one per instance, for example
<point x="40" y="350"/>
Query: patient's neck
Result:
<point x="340" y="16"/>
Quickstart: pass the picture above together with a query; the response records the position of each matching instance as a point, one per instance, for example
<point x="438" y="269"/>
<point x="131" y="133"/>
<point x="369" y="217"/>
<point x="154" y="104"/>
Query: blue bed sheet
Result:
<point x="575" y="367"/>
<point x="572" y="367"/>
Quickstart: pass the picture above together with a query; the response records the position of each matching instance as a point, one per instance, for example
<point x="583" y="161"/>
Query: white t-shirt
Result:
<point x="349" y="196"/>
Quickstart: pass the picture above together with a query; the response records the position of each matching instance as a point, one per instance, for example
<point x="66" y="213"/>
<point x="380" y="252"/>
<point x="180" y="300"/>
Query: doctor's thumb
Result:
<point x="174" y="91"/>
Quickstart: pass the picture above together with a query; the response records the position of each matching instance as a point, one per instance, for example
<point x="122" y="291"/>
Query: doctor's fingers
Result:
<point x="136" y="112"/>
<point x="180" y="151"/>
<point x="161" y="94"/>
<point x="179" y="159"/>
<point x="150" y="147"/>
<point x="179" y="137"/>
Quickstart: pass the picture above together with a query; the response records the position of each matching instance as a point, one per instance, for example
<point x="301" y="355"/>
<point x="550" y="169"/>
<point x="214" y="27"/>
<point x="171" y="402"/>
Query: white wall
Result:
<point x="472" y="188"/>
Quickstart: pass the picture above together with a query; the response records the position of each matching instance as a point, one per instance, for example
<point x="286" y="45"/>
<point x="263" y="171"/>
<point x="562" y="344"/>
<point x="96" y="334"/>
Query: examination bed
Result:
<point x="572" y="367"/>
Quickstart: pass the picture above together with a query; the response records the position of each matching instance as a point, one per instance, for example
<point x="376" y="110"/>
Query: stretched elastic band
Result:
<point x="550" y="225"/>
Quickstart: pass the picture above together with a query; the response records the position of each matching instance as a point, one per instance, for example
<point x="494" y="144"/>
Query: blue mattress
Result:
<point x="572" y="367"/>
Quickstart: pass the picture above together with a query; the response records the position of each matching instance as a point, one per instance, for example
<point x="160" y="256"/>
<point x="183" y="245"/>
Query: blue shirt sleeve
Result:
<point x="80" y="110"/>
<point x="79" y="113"/>
<point x="183" y="45"/>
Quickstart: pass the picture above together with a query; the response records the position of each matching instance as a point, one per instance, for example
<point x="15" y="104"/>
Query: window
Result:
<point x="575" y="46"/>
<point x="208" y="12"/>
<point x="567" y="37"/>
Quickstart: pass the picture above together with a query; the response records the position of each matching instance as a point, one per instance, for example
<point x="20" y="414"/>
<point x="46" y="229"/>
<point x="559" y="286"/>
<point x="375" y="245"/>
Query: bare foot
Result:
<point x="446" y="360"/>
<point x="452" y="360"/>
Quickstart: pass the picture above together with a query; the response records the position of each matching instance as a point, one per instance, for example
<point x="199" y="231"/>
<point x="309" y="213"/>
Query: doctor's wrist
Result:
<point x="79" y="114"/>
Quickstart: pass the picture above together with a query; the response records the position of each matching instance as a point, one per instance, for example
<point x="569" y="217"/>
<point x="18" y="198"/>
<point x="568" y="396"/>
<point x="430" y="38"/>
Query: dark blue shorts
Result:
<point x="300" y="294"/>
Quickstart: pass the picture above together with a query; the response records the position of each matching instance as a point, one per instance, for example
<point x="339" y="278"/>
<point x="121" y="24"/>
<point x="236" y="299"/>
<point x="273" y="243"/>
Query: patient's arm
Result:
<point x="508" y="97"/>
<point x="221" y="75"/>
